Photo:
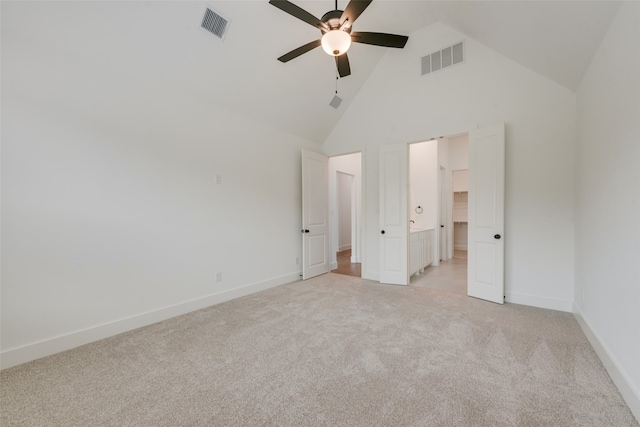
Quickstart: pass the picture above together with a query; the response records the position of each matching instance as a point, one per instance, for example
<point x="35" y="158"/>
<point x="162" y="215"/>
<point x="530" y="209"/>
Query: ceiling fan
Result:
<point x="335" y="27"/>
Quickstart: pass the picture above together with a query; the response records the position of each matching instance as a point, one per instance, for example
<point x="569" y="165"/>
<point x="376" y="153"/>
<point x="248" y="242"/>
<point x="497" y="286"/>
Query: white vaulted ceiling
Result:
<point x="136" y="57"/>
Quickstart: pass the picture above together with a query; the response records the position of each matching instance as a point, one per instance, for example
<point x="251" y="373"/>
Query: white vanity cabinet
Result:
<point x="415" y="251"/>
<point x="420" y="250"/>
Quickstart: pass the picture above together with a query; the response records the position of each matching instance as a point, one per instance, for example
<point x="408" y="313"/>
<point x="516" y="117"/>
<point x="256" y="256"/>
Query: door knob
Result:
<point x="382" y="232"/>
<point x="305" y="231"/>
<point x="497" y="236"/>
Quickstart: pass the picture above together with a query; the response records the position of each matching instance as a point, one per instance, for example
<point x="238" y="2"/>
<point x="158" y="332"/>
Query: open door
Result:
<point x="442" y="215"/>
<point x="315" y="214"/>
<point x="394" y="229"/>
<point x="486" y="214"/>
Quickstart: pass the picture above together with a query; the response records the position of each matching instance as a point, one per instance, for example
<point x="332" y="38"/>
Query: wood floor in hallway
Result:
<point x="345" y="266"/>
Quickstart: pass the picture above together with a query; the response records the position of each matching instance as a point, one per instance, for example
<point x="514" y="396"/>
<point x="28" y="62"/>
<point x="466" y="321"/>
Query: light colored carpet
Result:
<point x="331" y="351"/>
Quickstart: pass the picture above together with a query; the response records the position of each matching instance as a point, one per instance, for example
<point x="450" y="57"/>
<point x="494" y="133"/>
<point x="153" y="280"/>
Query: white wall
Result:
<point x="396" y="105"/>
<point x="607" y="293"/>
<point x="111" y="215"/>
<point x="344" y="183"/>
<point x="350" y="164"/>
<point x="458" y="152"/>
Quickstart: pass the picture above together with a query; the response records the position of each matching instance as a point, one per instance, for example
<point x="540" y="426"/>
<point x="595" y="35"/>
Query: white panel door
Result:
<point x="486" y="214"/>
<point x="442" y="218"/>
<point x="315" y="214"/>
<point x="394" y="230"/>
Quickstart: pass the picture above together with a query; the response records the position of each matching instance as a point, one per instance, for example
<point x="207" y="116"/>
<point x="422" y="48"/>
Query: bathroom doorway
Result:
<point x="409" y="244"/>
<point x="442" y="211"/>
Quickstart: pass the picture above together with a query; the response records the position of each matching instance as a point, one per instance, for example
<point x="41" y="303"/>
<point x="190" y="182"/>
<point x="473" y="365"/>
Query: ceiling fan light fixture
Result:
<point x="336" y="42"/>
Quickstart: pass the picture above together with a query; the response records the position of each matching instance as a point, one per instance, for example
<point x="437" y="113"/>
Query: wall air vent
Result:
<point x="444" y="58"/>
<point x="215" y="23"/>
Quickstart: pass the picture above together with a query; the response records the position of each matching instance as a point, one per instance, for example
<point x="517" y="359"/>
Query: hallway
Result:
<point x="345" y="266"/>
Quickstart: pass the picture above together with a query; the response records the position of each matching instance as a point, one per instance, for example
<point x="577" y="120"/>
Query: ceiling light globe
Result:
<point x="336" y="42"/>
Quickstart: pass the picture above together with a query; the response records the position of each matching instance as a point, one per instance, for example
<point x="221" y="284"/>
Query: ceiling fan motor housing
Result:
<point x="332" y="19"/>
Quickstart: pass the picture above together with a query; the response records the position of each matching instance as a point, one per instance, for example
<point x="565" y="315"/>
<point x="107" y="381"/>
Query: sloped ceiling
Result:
<point x="161" y="44"/>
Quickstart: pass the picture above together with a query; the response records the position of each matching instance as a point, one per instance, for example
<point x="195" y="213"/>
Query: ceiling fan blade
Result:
<point x="380" y="39"/>
<point x="342" y="62"/>
<point x="353" y="10"/>
<point x="299" y="51"/>
<point x="299" y="13"/>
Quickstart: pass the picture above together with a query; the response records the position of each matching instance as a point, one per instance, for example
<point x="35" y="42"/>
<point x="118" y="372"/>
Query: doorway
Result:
<point x="485" y="266"/>
<point x="344" y="214"/>
<point x="485" y="167"/>
<point x="448" y="161"/>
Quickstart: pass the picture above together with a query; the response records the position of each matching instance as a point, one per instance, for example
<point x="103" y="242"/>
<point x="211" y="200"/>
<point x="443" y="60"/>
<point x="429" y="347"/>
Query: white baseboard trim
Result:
<point x="333" y="266"/>
<point x="540" y="302"/>
<point x="628" y="391"/>
<point x="344" y="248"/>
<point x="460" y="247"/>
<point x="29" y="352"/>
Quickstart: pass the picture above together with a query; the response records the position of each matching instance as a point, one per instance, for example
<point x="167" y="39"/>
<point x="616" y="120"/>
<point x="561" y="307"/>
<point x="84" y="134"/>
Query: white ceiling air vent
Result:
<point x="444" y="58"/>
<point x="215" y="23"/>
<point x="335" y="102"/>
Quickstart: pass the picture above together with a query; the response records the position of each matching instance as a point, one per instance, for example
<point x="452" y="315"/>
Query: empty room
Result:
<point x="180" y="179"/>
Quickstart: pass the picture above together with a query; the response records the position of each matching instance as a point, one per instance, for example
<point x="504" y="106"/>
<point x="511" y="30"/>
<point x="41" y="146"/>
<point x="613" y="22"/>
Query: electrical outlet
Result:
<point x="219" y="277"/>
<point x="218" y="179"/>
<point x="297" y="260"/>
